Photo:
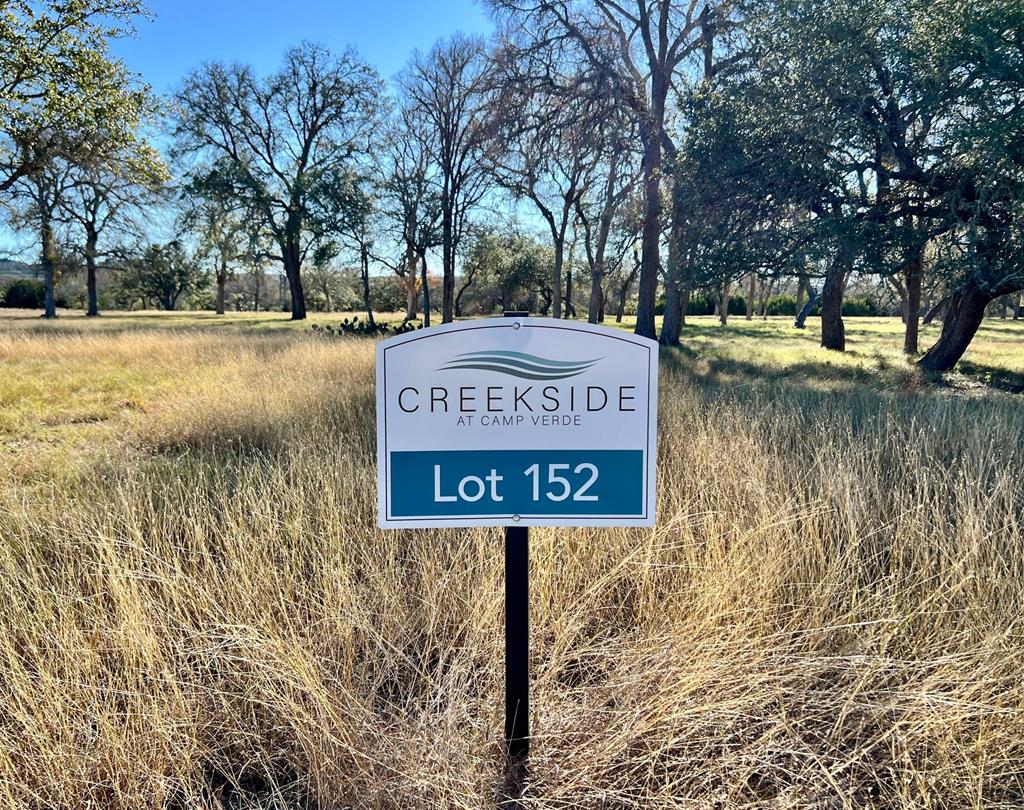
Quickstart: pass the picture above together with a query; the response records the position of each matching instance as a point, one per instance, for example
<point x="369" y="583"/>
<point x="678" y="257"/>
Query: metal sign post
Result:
<point x="517" y="647"/>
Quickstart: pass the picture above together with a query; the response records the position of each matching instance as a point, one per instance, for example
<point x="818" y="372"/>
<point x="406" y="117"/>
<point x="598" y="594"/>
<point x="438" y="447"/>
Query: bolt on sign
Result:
<point x="527" y="421"/>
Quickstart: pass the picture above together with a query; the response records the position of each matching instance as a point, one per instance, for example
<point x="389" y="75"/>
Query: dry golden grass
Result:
<point x="201" y="612"/>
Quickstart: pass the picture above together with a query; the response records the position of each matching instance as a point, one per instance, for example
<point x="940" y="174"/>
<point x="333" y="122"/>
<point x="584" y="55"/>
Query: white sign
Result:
<point x="516" y="421"/>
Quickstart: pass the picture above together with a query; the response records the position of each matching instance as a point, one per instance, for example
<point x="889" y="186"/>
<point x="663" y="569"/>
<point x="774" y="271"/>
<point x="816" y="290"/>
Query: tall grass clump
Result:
<point x="828" y="613"/>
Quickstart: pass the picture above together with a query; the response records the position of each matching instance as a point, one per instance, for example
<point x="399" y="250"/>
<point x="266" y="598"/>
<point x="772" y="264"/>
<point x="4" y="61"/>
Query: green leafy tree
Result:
<point x="224" y="237"/>
<point x="512" y="270"/>
<point x="38" y="197"/>
<point x="979" y="184"/>
<point x="741" y="188"/>
<point x="905" y="111"/>
<point x="162" y="275"/>
<point x="58" y="84"/>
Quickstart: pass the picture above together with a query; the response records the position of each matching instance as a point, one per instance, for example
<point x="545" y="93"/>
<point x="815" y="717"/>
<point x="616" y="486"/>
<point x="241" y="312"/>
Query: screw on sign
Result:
<point x="516" y="422"/>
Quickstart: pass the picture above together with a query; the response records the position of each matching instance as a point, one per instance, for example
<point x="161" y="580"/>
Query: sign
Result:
<point x="524" y="421"/>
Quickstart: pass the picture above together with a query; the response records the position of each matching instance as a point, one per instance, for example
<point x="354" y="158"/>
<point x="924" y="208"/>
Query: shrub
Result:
<point x="782" y="305"/>
<point x="24" y="293"/>
<point x="354" y="326"/>
<point x="700" y="304"/>
<point x="860" y="306"/>
<point x="387" y="294"/>
<point x="737" y="305"/>
<point x="855" y="306"/>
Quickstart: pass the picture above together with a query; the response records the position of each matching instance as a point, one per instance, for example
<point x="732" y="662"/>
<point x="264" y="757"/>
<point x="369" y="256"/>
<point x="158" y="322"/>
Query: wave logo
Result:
<point x="519" y="364"/>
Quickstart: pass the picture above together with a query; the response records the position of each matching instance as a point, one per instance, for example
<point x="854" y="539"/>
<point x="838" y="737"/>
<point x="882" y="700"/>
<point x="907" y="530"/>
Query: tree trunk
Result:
<point x="901" y="291"/>
<point x="424" y="280"/>
<point x="222" y="281"/>
<point x="626" y="284"/>
<point x="766" y="291"/>
<point x="412" y="284"/>
<point x="964" y="316"/>
<point x="556" y="278"/>
<point x="545" y="307"/>
<point x="595" y="307"/>
<point x="364" y="262"/>
<point x="805" y="310"/>
<point x="801" y="285"/>
<point x="1004" y="306"/>
<point x="168" y="298"/>
<point x="293" y="270"/>
<point x="833" y="331"/>
<point x="448" y="267"/>
<point x="92" y="299"/>
<point x="672" y="323"/>
<point x="936" y="311"/>
<point x="48" y="261"/>
<point x="1016" y="307"/>
<point x="623" y="292"/>
<point x="723" y="305"/>
<point x="751" y="294"/>
<point x="570" y="310"/>
<point x="461" y="292"/>
<point x="913" y="273"/>
<point x="650" y="234"/>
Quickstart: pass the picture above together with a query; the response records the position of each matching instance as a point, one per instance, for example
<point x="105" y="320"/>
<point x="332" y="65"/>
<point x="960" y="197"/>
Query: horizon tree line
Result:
<point x="673" y="148"/>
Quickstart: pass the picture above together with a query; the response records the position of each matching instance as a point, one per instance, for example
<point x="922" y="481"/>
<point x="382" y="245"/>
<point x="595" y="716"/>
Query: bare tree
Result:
<point x="38" y="198"/>
<point x="596" y="213"/>
<point x="111" y="187"/>
<point x="448" y="86"/>
<point x="411" y="199"/>
<point x="286" y="145"/>
<point x="545" y="141"/>
<point x="640" y="46"/>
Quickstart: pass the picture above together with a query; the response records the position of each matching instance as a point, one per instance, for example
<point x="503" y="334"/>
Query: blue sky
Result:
<point x="186" y="33"/>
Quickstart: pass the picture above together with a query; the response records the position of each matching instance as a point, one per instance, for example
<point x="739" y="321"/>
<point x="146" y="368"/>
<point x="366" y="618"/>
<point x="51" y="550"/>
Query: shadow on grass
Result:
<point x="888" y="374"/>
<point x="711" y="369"/>
<point x="993" y="377"/>
<point x="759" y="330"/>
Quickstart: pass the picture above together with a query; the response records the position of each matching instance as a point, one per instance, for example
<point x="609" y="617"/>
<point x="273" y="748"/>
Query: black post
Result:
<point x="517" y="644"/>
<point x="517" y="649"/>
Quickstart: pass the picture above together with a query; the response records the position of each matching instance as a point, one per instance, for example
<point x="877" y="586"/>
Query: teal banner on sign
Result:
<point x="524" y="483"/>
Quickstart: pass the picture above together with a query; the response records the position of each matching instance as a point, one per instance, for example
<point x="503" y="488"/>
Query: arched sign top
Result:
<point x="524" y="421"/>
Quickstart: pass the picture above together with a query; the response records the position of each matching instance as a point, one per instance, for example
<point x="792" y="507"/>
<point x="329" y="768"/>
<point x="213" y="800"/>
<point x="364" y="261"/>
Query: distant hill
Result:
<point x="11" y="269"/>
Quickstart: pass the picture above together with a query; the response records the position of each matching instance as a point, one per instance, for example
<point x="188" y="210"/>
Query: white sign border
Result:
<point x="459" y="521"/>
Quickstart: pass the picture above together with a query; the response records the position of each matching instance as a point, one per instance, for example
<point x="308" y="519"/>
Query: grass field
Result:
<point x="199" y="611"/>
